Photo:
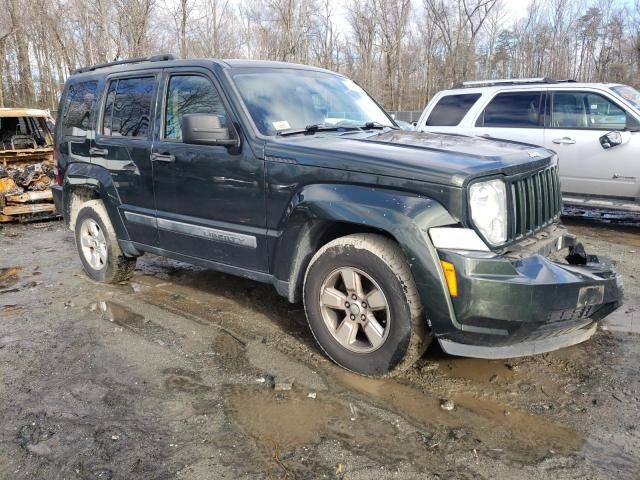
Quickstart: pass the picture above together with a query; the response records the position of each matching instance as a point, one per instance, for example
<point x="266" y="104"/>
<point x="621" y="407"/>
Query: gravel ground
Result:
<point x="172" y="375"/>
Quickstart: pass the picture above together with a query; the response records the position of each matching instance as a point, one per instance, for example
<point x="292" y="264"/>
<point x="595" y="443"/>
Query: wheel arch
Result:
<point x="84" y="182"/>
<point x="322" y="213"/>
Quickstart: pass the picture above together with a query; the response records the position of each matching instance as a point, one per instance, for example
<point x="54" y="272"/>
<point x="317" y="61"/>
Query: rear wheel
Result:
<point x="97" y="244"/>
<point x="363" y="306"/>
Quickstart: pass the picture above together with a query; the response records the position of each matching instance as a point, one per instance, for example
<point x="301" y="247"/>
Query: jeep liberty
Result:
<point x="294" y="176"/>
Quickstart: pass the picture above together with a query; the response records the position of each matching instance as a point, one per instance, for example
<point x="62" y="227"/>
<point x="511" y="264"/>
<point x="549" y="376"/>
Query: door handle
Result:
<point x="98" y="152"/>
<point x="160" y="157"/>
<point x="564" y="141"/>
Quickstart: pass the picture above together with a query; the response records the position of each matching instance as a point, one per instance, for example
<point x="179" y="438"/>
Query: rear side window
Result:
<point x="127" y="110"/>
<point x="513" y="110"/>
<point x="190" y="94"/>
<point x="451" y="109"/>
<point x="78" y="108"/>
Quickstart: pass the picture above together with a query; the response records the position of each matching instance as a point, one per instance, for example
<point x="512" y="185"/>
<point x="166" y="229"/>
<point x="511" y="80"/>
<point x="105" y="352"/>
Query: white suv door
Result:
<point x="589" y="163"/>
<point x="513" y="115"/>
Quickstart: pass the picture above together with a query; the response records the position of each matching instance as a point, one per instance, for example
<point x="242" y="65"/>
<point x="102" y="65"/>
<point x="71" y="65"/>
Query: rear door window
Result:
<point x="78" y="108"/>
<point x="514" y="110"/>
<point x="128" y="107"/>
<point x="586" y="111"/>
<point x="451" y="109"/>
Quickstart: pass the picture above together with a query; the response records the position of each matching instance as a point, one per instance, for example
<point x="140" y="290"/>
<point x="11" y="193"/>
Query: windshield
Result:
<point x="630" y="94"/>
<point x="285" y="99"/>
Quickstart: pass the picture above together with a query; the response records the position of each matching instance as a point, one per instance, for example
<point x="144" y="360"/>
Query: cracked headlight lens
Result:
<point x="488" y="203"/>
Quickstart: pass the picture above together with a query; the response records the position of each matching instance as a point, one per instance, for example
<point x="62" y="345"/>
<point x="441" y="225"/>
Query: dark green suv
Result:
<point x="294" y="176"/>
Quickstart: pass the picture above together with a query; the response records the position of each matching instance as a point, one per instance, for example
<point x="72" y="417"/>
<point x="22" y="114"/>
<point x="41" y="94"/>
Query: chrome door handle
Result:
<point x="98" y="152"/>
<point x="159" y="157"/>
<point x="564" y="141"/>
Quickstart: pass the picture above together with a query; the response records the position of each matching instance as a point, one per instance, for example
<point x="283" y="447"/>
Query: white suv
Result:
<point x="594" y="128"/>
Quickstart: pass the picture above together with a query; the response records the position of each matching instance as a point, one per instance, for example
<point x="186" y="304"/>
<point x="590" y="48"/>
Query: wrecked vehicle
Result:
<point x="391" y="238"/>
<point x="26" y="164"/>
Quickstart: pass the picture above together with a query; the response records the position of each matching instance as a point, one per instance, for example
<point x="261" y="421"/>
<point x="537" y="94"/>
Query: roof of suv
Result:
<point x="570" y="85"/>
<point x="164" y="61"/>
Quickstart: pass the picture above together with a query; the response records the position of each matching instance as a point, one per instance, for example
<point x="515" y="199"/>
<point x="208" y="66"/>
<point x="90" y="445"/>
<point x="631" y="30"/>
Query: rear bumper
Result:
<point x="509" y="307"/>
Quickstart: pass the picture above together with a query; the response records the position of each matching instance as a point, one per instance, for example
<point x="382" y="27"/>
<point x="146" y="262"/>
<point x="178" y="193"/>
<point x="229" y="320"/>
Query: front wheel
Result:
<point x="363" y="307"/>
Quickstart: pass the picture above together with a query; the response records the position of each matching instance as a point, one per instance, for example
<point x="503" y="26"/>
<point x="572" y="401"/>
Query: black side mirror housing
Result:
<point x="610" y="140"/>
<point x="205" y="129"/>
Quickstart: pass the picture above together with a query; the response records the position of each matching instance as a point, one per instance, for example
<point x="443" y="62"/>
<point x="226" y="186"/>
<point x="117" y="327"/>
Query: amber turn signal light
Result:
<point x="450" y="277"/>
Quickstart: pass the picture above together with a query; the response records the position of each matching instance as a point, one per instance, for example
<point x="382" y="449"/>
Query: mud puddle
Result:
<point x="120" y="315"/>
<point x="10" y="310"/>
<point x="494" y="424"/>
<point x="9" y="276"/>
<point x="287" y="419"/>
<point x="475" y="370"/>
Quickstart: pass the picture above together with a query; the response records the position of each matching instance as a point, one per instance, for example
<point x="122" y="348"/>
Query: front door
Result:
<point x="579" y="119"/>
<point x="123" y="146"/>
<point x="210" y="200"/>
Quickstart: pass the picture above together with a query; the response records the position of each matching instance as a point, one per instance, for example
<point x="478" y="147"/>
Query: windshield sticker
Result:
<point x="281" y="125"/>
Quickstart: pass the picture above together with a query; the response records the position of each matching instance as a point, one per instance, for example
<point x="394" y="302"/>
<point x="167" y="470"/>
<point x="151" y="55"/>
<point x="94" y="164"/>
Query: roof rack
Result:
<point x="153" y="58"/>
<point x="509" y="81"/>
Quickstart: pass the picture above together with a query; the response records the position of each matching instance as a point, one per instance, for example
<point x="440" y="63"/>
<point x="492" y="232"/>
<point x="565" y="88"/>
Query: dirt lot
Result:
<point x="172" y="375"/>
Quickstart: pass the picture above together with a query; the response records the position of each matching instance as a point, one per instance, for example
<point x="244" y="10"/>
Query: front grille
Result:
<point x="534" y="203"/>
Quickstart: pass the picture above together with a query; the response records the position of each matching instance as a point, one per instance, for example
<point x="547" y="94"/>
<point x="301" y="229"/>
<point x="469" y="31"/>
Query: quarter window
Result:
<point x="78" y="108"/>
<point x="190" y="94"/>
<point x="513" y="110"/>
<point x="128" y="107"/>
<point x="451" y="109"/>
<point x="586" y="110"/>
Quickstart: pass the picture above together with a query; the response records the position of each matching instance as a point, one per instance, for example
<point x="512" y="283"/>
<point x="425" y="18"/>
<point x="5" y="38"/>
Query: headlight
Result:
<point x="488" y="203"/>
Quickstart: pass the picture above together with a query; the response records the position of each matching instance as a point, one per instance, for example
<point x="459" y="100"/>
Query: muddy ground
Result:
<point x="172" y="374"/>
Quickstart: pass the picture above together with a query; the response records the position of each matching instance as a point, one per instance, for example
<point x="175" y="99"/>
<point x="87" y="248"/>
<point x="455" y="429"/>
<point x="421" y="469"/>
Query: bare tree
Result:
<point x="402" y="51"/>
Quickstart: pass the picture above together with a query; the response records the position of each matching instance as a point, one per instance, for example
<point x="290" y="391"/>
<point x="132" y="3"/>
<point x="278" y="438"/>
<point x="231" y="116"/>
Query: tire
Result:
<point x="102" y="259"/>
<point x="396" y="336"/>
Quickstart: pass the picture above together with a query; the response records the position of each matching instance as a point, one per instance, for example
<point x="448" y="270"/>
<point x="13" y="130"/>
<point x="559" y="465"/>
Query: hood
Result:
<point x="445" y="159"/>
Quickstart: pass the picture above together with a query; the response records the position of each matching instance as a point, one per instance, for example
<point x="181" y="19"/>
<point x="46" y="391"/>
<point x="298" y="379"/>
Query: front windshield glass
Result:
<point x="283" y="99"/>
<point x="630" y="94"/>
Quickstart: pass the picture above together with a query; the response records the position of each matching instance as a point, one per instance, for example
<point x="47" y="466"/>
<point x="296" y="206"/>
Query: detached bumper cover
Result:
<point x="514" y="307"/>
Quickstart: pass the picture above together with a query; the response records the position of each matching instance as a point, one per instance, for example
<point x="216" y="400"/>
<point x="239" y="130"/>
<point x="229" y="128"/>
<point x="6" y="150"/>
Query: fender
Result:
<point x="405" y="217"/>
<point x="97" y="179"/>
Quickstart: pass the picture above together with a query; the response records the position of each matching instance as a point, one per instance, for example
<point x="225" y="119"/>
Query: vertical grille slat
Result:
<point x="535" y="202"/>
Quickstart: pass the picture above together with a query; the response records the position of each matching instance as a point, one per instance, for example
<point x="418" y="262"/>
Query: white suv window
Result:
<point x="451" y="109"/>
<point x="513" y="110"/>
<point x="586" y="111"/>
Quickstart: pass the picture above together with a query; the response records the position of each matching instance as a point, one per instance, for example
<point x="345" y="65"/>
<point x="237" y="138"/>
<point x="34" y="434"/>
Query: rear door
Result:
<point x="123" y="147"/>
<point x="578" y="120"/>
<point x="514" y="115"/>
<point x="210" y="199"/>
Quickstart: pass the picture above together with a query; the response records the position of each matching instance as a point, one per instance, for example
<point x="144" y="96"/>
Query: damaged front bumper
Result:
<point x="528" y="301"/>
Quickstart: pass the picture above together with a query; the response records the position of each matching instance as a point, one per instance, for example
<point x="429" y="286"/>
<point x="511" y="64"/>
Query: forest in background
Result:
<point x="401" y="51"/>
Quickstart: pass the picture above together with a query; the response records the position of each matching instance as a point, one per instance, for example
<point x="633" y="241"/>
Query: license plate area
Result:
<point x="591" y="295"/>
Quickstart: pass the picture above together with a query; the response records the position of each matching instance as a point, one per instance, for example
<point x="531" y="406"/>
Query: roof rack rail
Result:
<point x="508" y="81"/>
<point x="153" y="58"/>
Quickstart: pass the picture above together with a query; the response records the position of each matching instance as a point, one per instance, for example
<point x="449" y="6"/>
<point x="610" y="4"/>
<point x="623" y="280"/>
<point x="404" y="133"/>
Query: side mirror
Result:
<point x="205" y="129"/>
<point x="614" y="139"/>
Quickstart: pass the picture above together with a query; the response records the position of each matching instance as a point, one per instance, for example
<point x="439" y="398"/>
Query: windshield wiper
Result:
<point x="377" y="125"/>
<point x="316" y="127"/>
